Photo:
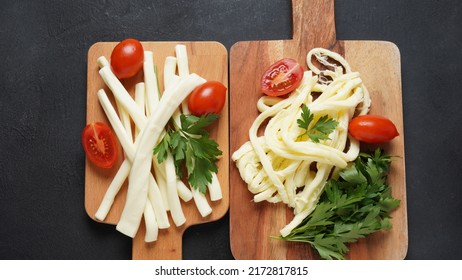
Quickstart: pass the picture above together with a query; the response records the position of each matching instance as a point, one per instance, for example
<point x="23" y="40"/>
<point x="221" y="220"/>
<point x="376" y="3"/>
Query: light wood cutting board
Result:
<point x="207" y="59"/>
<point x="251" y="224"/>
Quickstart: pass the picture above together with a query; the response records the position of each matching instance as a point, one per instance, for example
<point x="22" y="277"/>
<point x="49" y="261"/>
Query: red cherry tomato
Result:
<point x="99" y="144"/>
<point x="282" y="77"/>
<point x="208" y="98"/>
<point x="127" y="58"/>
<point x="372" y="129"/>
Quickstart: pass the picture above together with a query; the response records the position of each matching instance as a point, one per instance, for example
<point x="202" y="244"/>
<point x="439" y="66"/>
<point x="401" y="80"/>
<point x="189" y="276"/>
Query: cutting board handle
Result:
<point x="313" y="23"/>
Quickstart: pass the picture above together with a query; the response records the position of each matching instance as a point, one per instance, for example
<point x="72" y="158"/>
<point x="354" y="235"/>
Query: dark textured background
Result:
<point x="43" y="57"/>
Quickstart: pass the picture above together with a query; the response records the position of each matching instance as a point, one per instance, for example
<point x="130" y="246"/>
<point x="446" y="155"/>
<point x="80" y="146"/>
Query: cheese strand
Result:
<point x="282" y="166"/>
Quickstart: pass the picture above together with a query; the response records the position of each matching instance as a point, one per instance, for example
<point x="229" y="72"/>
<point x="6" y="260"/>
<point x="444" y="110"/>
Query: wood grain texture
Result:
<point x="252" y="224"/>
<point x="207" y="59"/>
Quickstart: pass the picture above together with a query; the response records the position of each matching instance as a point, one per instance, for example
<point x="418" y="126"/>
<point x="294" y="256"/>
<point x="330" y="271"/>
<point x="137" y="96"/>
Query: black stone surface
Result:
<point x="43" y="58"/>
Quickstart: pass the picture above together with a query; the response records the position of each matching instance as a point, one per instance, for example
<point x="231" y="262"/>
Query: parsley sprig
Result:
<point x="352" y="207"/>
<point x="192" y="148"/>
<point x="320" y="130"/>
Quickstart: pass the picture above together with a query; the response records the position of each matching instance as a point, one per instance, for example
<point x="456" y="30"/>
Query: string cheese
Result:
<point x="279" y="165"/>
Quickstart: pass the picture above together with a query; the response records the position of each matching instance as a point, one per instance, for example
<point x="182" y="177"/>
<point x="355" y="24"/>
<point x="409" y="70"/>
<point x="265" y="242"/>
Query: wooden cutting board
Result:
<point x="379" y="64"/>
<point x="207" y="59"/>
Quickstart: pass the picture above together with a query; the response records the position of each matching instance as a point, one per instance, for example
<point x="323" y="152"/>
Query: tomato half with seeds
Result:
<point x="282" y="77"/>
<point x="372" y="129"/>
<point x="99" y="144"/>
<point x="208" y="98"/>
<point x="127" y="58"/>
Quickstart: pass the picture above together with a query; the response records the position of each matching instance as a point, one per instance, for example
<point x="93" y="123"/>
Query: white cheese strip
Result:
<point x="159" y="170"/>
<point x="150" y="80"/>
<point x="122" y="96"/>
<point x="149" y="136"/>
<point x="140" y="98"/>
<point x="172" y="193"/>
<point x="183" y="191"/>
<point x="102" y="61"/>
<point x="154" y="205"/>
<point x="157" y="203"/>
<point x="170" y="78"/>
<point x="152" y="229"/>
<point x="113" y="190"/>
<point x="119" y="130"/>
<point x="201" y="203"/>
<point x="129" y="148"/>
<point x="215" y="188"/>
<point x="183" y="63"/>
<point x="183" y="70"/>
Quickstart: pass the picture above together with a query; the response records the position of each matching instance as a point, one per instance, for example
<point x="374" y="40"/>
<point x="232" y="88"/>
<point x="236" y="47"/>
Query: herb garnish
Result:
<point x="352" y="207"/>
<point x="320" y="130"/>
<point x="191" y="146"/>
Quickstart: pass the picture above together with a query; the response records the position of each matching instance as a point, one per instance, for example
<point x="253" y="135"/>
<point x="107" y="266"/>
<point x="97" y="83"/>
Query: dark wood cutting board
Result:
<point x="252" y="224"/>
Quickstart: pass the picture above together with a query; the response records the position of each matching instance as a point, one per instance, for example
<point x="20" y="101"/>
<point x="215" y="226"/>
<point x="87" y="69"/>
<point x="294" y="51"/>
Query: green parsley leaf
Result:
<point x="351" y="207"/>
<point x="192" y="149"/>
<point x="318" y="131"/>
<point x="195" y="125"/>
<point x="162" y="148"/>
<point x="352" y="175"/>
<point x="197" y="177"/>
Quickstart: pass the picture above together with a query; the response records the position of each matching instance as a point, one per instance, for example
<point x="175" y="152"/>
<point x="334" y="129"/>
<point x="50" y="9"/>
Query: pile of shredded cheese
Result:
<point x="278" y="165"/>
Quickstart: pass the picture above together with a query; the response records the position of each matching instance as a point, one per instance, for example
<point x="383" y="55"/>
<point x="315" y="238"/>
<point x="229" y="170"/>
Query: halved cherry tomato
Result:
<point x="127" y="58"/>
<point x="99" y="144"/>
<point x="282" y="77"/>
<point x="208" y="98"/>
<point x="372" y="129"/>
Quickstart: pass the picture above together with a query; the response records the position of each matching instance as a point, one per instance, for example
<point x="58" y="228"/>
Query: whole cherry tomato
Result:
<point x="208" y="98"/>
<point x="127" y="58"/>
<point x="99" y="144"/>
<point x="282" y="77"/>
<point x="372" y="129"/>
